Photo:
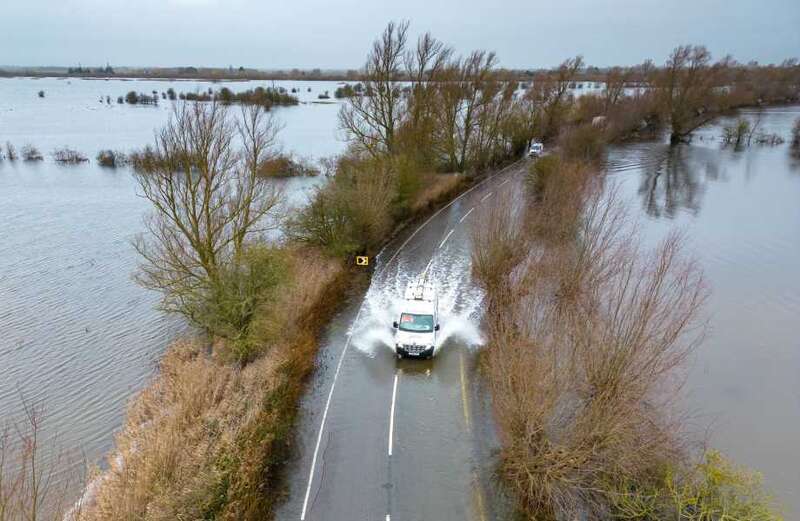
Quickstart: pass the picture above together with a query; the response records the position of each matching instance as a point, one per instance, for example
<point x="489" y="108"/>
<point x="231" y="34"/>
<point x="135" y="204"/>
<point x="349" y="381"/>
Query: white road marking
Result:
<point x="446" y="237"/>
<point x="391" y="415"/>
<point x="504" y="182"/>
<point x="347" y="342"/>
<point x="466" y="215"/>
<point x="485" y="197"/>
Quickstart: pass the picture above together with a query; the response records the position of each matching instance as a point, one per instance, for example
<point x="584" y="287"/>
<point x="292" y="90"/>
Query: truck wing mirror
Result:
<point x="394" y="324"/>
<point x="436" y="328"/>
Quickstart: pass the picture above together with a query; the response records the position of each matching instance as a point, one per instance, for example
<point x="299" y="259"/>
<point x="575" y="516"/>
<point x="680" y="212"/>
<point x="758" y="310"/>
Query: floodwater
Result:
<point x="77" y="335"/>
<point x="740" y="211"/>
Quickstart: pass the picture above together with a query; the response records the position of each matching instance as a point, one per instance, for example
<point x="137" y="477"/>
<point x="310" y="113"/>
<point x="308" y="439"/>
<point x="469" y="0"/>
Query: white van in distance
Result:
<point x="536" y="150"/>
<point x="417" y="326"/>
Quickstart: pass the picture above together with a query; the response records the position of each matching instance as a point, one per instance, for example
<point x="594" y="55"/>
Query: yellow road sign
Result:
<point x="362" y="260"/>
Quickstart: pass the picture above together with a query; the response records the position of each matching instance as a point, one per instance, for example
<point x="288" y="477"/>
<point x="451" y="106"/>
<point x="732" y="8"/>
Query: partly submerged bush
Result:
<point x="715" y="489"/>
<point x="283" y="165"/>
<point x="70" y="156"/>
<point x="737" y="133"/>
<point x="796" y="134"/>
<point x="111" y="158"/>
<point x="31" y="153"/>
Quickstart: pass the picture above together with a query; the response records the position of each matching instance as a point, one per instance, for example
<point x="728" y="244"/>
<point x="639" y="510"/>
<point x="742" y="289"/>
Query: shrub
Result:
<point x="41" y="94"/>
<point x="70" y="156"/>
<point x="245" y="284"/>
<point x="585" y="142"/>
<point x="31" y="153"/>
<point x="352" y="213"/>
<point x="737" y="133"/>
<point x="713" y="489"/>
<point x="543" y="171"/>
<point x="796" y="134"/>
<point x="111" y="158"/>
<point x="132" y="97"/>
<point x="283" y="165"/>
<point x="345" y="91"/>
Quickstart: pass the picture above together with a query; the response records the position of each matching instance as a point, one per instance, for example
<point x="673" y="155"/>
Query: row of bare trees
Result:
<point x="688" y="91"/>
<point x="453" y="112"/>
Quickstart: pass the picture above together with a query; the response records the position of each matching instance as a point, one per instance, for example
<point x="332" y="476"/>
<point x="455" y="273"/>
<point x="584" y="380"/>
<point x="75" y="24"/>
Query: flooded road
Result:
<point x="740" y="211"/>
<point x="384" y="438"/>
<point x="76" y="333"/>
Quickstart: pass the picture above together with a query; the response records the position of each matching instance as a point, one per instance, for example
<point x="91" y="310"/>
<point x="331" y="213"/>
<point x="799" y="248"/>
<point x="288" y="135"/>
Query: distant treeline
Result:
<point x="588" y="73"/>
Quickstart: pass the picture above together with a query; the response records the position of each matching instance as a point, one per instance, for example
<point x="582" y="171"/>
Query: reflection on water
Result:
<point x="76" y="333"/>
<point x="740" y="211"/>
<point x="674" y="178"/>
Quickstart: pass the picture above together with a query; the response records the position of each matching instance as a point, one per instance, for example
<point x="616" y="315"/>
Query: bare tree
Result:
<point x="371" y="121"/>
<point x="616" y="80"/>
<point x="688" y="89"/>
<point x="208" y="201"/>
<point x="465" y="90"/>
<point x="550" y="94"/>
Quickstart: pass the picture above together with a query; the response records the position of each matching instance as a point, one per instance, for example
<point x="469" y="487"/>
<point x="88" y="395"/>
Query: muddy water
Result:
<point x="76" y="333"/>
<point x="740" y="210"/>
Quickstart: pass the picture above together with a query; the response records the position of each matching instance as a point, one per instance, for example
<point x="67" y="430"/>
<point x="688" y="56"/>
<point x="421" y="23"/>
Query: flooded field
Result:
<point x="740" y="211"/>
<point x="78" y="335"/>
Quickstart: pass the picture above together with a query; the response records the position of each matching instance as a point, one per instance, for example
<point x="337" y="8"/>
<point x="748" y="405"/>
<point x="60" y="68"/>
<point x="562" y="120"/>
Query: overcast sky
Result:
<point x="318" y="33"/>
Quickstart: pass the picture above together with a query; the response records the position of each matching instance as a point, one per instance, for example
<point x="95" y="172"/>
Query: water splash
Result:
<point x="459" y="305"/>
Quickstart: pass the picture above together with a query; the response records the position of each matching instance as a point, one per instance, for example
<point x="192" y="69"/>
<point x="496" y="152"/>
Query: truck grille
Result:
<point x="414" y="348"/>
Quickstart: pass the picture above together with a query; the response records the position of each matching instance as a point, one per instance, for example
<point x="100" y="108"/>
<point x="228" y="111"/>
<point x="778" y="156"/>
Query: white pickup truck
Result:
<point x="418" y="324"/>
<point x="536" y="150"/>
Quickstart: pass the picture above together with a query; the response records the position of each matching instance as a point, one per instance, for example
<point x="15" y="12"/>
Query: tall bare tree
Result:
<point x="689" y="89"/>
<point x="371" y="121"/>
<point x="208" y="200"/>
<point x="550" y="93"/>
<point x="617" y="79"/>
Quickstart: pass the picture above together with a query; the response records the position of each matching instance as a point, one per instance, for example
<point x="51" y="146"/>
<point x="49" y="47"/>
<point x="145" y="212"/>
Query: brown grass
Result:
<point x="435" y="188"/>
<point x="207" y="439"/>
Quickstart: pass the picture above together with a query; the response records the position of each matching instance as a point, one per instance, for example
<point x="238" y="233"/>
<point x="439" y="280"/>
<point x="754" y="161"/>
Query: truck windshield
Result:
<point x="416" y="323"/>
